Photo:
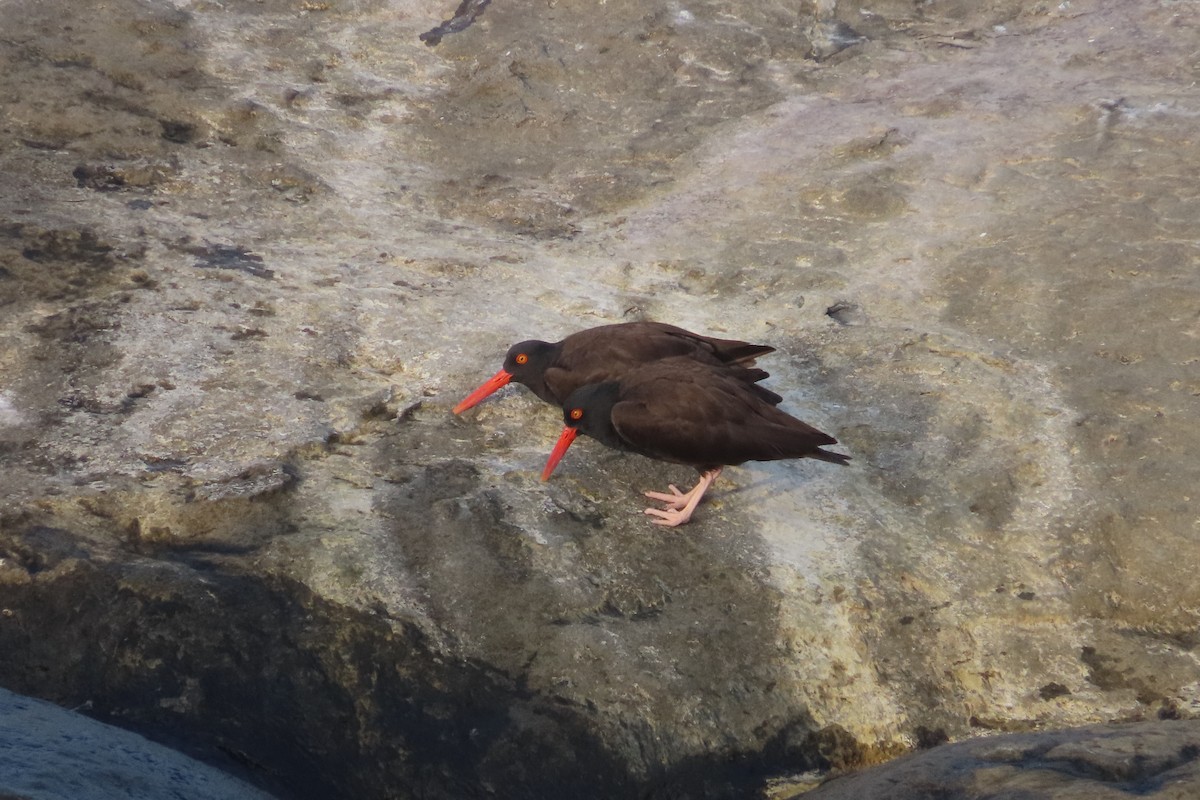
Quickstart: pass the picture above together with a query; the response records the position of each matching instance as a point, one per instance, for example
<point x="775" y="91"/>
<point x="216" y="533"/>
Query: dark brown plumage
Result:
<point x="552" y="370"/>
<point x="681" y="411"/>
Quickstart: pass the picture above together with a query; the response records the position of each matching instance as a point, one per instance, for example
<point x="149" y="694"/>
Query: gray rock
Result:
<point x="1145" y="760"/>
<point x="251" y="253"/>
<point x="48" y="753"/>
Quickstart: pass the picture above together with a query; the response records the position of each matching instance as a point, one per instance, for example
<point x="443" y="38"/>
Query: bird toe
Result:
<point x="667" y="518"/>
<point x="676" y="500"/>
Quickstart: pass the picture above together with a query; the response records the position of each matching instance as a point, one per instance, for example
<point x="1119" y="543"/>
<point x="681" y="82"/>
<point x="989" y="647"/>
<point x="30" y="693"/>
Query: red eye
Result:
<point x="522" y="358"/>
<point x="576" y="413"/>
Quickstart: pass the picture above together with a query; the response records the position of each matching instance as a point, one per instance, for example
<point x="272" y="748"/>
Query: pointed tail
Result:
<point x="741" y="353"/>
<point x="825" y="455"/>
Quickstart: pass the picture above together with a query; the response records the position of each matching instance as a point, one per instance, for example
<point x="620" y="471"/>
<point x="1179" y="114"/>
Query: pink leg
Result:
<point x="679" y="505"/>
<point x="677" y="499"/>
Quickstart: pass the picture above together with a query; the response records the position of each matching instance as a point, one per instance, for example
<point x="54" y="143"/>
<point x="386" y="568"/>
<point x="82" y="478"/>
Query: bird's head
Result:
<point x="525" y="363"/>
<point x="588" y="410"/>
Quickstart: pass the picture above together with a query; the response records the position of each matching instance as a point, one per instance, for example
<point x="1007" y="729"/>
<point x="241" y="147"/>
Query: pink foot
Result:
<point x="675" y="500"/>
<point x="680" y="505"/>
<point x="669" y="518"/>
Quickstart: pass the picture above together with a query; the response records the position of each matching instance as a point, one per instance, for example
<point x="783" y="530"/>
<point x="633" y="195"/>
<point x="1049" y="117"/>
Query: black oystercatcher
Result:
<point x="552" y="370"/>
<point x="689" y="413"/>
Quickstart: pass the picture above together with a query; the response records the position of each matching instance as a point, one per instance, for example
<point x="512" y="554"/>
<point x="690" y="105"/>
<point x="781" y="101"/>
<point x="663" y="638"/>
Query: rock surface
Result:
<point x="1144" y="760"/>
<point x="49" y="753"/>
<point x="251" y="253"/>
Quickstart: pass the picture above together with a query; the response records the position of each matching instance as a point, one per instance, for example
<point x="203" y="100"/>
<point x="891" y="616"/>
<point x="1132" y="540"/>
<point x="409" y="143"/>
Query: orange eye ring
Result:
<point x="576" y="413"/>
<point x="522" y="358"/>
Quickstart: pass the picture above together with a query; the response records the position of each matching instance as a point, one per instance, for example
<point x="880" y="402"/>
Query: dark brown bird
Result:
<point x="688" y="413"/>
<point x="552" y="370"/>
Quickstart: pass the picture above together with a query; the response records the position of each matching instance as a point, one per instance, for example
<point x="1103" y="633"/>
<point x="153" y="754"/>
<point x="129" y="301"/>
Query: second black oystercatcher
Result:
<point x="681" y="411"/>
<point x="552" y="370"/>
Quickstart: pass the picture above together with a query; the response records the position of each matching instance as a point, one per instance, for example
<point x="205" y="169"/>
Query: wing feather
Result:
<point x="693" y="415"/>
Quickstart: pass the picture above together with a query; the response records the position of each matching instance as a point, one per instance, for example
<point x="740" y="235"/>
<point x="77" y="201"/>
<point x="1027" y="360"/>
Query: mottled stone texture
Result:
<point x="251" y="253"/>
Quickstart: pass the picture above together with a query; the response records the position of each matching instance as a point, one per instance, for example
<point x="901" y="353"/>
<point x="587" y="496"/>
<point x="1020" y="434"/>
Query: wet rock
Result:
<point x="468" y="11"/>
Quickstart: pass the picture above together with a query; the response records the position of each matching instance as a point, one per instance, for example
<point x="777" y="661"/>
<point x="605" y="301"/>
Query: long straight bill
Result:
<point x="560" y="449"/>
<point x="501" y="378"/>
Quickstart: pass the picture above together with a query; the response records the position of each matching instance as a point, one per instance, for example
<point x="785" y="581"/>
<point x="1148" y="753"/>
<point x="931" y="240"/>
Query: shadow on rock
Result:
<point x="536" y="697"/>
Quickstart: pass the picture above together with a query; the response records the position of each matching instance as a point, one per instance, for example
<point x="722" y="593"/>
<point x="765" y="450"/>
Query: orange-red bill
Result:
<point x="560" y="449"/>
<point x="493" y="383"/>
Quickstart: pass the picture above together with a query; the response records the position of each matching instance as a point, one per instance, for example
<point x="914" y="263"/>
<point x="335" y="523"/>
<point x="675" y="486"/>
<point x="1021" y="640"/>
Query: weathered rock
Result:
<point x="1144" y="760"/>
<point x="252" y="253"/>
